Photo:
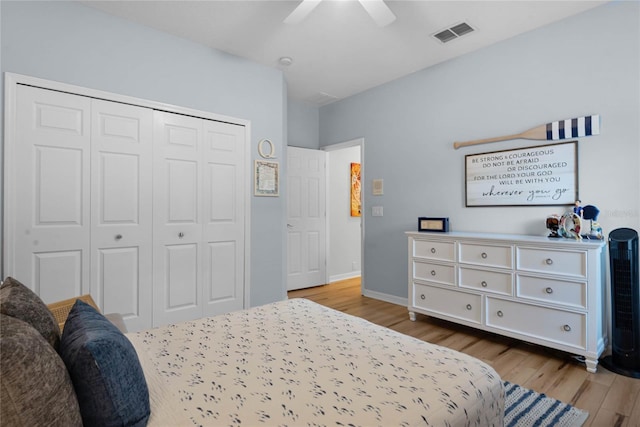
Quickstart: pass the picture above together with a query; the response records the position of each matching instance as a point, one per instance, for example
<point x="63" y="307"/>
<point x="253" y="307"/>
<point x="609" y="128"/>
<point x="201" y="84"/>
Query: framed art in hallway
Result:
<point x="356" y="185"/>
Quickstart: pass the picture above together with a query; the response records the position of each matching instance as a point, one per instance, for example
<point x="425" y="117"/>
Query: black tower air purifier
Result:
<point x="625" y="303"/>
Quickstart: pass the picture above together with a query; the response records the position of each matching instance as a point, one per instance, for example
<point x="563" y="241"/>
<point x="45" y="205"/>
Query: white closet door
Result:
<point x="121" y="216"/>
<point x="223" y="235"/>
<point x="178" y="217"/>
<point x="51" y="199"/>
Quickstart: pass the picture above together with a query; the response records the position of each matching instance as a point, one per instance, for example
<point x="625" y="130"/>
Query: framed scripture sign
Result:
<point x="267" y="179"/>
<point x="532" y="176"/>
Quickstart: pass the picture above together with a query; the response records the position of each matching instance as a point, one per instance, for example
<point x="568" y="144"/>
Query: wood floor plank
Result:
<point x="622" y="395"/>
<point x="634" y="419"/>
<point x="610" y="399"/>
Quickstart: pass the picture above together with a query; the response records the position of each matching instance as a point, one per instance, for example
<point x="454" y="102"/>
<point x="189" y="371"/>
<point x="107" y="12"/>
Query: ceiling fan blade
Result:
<point x="301" y="12"/>
<point x="379" y="12"/>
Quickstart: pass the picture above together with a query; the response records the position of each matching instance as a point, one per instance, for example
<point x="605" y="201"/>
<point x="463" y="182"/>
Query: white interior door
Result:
<point x="121" y="216"/>
<point x="306" y="218"/>
<point x="50" y="204"/>
<point x="223" y="234"/>
<point x="177" y="225"/>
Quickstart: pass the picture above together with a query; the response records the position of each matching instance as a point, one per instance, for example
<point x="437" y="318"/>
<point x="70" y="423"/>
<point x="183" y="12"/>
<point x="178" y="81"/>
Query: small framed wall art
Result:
<point x="266" y="178"/>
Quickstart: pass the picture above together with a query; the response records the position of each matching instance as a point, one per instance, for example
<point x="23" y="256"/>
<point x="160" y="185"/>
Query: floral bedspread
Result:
<point x="297" y="363"/>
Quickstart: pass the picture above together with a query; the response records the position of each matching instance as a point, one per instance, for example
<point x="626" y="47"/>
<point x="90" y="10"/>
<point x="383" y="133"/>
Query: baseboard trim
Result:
<point x="385" y="297"/>
<point x="345" y="276"/>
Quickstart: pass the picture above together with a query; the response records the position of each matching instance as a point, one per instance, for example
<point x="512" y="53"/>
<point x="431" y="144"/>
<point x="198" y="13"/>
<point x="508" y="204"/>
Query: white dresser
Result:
<point x="545" y="291"/>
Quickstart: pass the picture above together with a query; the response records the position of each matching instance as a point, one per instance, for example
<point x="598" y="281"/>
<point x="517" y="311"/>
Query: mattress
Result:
<point x="295" y="363"/>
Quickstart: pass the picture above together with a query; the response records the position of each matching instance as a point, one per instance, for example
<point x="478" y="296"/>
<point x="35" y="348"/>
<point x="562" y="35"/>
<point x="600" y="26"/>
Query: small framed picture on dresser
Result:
<point x="433" y="224"/>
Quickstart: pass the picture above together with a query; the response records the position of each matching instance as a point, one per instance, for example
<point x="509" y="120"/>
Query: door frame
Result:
<point x="358" y="142"/>
<point x="11" y="82"/>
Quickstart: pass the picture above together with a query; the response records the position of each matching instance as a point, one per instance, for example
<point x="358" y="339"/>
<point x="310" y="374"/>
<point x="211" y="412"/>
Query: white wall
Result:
<point x="344" y="230"/>
<point x="587" y="64"/>
<point x="76" y="44"/>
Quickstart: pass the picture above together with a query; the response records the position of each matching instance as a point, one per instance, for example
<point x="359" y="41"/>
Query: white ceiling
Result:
<point x="338" y="50"/>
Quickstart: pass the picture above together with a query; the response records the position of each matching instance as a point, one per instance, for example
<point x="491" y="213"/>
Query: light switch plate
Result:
<point x="377" y="187"/>
<point x="376" y="211"/>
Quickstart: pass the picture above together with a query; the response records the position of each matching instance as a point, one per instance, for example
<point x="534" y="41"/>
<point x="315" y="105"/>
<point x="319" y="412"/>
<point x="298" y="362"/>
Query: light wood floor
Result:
<point x="611" y="399"/>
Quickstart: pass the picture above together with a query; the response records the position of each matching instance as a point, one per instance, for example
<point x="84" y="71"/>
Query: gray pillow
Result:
<point x="35" y="388"/>
<point x="16" y="300"/>
<point x="105" y="370"/>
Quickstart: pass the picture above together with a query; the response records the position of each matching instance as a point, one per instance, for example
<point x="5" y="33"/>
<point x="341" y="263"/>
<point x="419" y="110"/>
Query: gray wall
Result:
<point x="75" y="44"/>
<point x="303" y="125"/>
<point x="587" y="64"/>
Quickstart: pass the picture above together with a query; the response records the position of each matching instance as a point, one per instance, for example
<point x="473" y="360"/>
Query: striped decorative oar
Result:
<point x="554" y="131"/>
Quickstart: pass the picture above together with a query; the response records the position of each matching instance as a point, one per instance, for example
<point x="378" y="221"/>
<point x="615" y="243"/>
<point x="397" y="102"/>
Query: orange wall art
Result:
<point x="356" y="203"/>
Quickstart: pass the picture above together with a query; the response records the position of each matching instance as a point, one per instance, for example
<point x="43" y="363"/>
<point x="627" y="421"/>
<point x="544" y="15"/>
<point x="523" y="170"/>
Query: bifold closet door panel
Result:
<point x="223" y="232"/>
<point x="121" y="210"/>
<point x="178" y="218"/>
<point x="50" y="204"/>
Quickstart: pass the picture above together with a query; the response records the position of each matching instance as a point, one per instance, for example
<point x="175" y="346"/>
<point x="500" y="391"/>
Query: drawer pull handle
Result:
<point x="433" y="272"/>
<point x="181" y="234"/>
<point x="433" y="250"/>
<point x="422" y="296"/>
<point x="118" y="236"/>
<point x="549" y="290"/>
<point x="484" y="284"/>
<point x="549" y="261"/>
<point x="469" y="307"/>
<point x="500" y="313"/>
<point x="483" y="255"/>
<point x="567" y="328"/>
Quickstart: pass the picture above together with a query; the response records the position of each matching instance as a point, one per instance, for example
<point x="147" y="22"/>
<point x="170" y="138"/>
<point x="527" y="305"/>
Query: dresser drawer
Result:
<point x="443" y="251"/>
<point x="486" y="255"/>
<point x="485" y="280"/>
<point x="570" y="294"/>
<point x="439" y="273"/>
<point x="459" y="305"/>
<point x="558" y="326"/>
<point x="568" y="263"/>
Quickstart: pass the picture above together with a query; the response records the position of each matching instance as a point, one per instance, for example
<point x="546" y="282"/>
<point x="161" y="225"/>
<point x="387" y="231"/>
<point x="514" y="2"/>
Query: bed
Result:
<point x="296" y="362"/>
<point x="289" y="363"/>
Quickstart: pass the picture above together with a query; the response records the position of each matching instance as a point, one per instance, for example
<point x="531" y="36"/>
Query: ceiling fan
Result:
<point x="377" y="9"/>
